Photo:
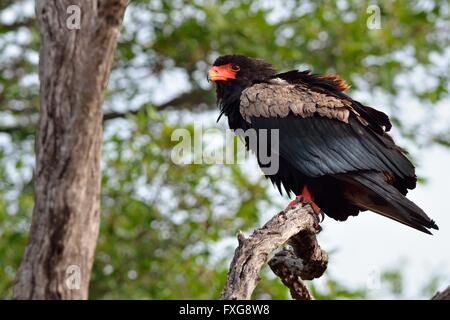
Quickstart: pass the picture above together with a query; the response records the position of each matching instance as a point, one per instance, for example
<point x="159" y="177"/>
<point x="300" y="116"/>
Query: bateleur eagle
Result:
<point x="334" y="152"/>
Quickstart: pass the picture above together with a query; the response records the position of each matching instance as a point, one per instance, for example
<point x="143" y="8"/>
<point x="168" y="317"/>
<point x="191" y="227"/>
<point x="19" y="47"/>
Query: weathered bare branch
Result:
<point x="444" y="295"/>
<point x="297" y="226"/>
<point x="289" y="268"/>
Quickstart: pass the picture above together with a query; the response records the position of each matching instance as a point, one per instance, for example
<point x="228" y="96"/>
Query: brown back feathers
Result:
<point x="278" y="98"/>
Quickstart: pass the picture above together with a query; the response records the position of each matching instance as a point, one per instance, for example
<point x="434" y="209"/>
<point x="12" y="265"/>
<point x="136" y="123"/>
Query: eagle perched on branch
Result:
<point x="334" y="152"/>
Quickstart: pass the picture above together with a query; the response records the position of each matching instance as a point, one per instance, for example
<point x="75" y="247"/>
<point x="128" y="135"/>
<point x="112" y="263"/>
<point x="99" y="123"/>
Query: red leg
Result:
<point x="305" y="197"/>
<point x="295" y="201"/>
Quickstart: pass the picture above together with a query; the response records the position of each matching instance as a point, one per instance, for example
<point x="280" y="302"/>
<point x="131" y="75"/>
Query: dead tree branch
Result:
<point x="296" y="226"/>
<point x="443" y="295"/>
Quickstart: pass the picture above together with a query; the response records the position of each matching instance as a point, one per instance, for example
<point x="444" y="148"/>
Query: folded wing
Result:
<point x="323" y="134"/>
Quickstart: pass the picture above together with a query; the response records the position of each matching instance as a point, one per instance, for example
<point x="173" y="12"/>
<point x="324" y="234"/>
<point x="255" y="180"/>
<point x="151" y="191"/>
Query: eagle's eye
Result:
<point x="235" y="67"/>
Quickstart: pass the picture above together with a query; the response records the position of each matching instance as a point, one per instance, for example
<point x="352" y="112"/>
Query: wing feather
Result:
<point x="278" y="99"/>
<point x="321" y="143"/>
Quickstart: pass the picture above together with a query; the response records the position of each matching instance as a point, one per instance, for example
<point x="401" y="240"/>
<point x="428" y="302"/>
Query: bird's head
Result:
<point x="232" y="74"/>
<point x="238" y="71"/>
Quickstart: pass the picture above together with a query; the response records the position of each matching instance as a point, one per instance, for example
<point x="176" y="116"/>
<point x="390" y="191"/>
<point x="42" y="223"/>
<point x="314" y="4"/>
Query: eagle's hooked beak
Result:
<point x="221" y="73"/>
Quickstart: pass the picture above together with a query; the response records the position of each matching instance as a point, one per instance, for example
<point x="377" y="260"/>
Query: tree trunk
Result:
<point x="75" y="62"/>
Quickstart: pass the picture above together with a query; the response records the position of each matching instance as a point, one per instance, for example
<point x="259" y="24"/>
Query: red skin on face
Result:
<point x="222" y="73"/>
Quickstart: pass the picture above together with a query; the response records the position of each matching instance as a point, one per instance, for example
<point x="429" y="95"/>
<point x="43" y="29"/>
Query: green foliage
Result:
<point x="165" y="228"/>
<point x="164" y="220"/>
<point x="394" y="279"/>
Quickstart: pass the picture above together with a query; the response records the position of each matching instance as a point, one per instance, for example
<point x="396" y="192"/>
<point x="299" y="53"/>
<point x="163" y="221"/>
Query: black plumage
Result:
<point x="348" y="162"/>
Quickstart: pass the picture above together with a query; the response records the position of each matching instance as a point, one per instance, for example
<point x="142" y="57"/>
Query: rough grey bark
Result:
<point x="444" y="295"/>
<point x="73" y="71"/>
<point x="288" y="268"/>
<point x="305" y="259"/>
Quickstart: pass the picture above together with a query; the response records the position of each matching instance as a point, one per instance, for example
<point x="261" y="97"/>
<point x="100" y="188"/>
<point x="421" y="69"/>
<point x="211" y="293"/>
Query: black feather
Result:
<point x="319" y="146"/>
<point x="386" y="200"/>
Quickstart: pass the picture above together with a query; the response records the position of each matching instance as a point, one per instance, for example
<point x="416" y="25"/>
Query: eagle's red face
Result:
<point x="239" y="71"/>
<point x="224" y="72"/>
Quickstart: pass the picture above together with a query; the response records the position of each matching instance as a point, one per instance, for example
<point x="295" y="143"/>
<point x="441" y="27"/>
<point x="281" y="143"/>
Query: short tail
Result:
<point x="386" y="200"/>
